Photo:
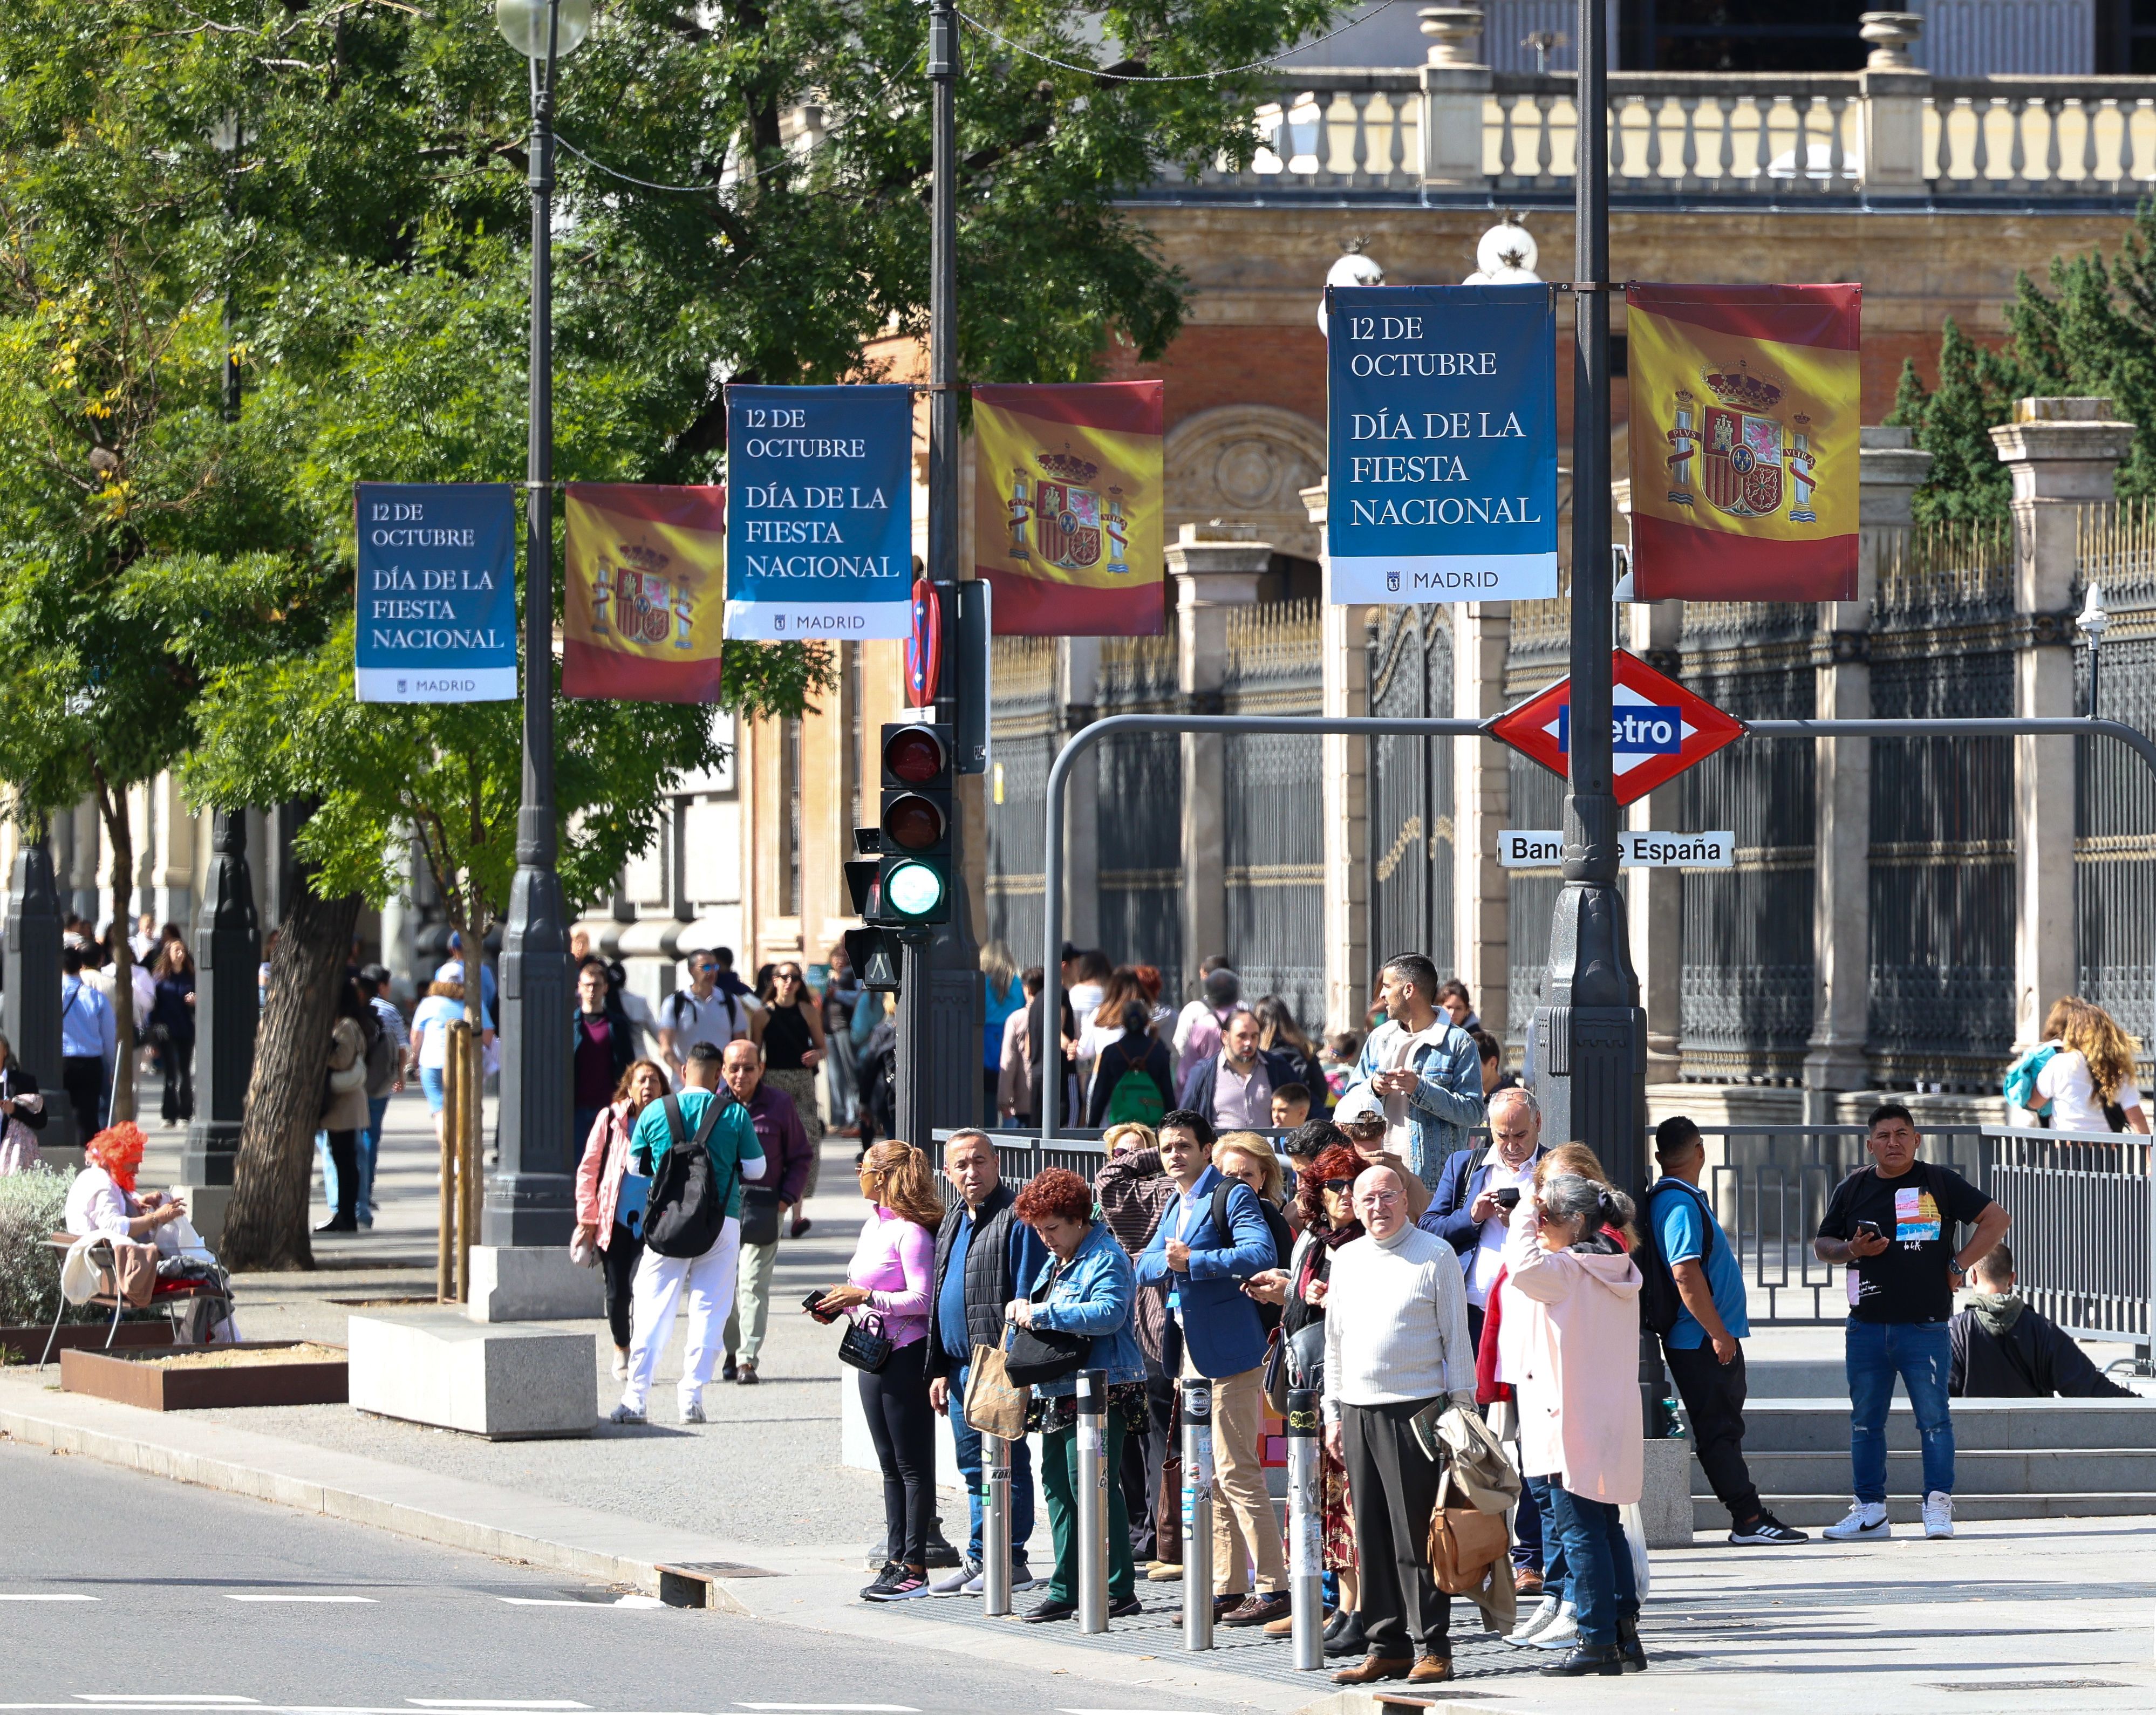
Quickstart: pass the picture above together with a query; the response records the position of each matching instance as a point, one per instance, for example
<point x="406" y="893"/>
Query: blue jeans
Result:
<point x="1528" y="1537"/>
<point x="1875" y="1353"/>
<point x="1535" y="1495"/>
<point x="968" y="1441"/>
<point x="370" y="1151"/>
<point x="1604" y="1589"/>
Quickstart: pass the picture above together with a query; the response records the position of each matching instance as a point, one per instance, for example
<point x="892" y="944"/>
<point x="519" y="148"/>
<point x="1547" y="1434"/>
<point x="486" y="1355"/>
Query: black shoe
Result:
<point x="1765" y="1531"/>
<point x="1049" y="1610"/>
<point x="748" y="1378"/>
<point x="1126" y="1609"/>
<point x="1336" y="1622"/>
<point x="886" y="1581"/>
<point x="1350" y="1640"/>
<point x="339" y="1223"/>
<point x="941" y="1554"/>
<point x="1628" y="1645"/>
<point x="729" y="1370"/>
<point x="1605" y="1659"/>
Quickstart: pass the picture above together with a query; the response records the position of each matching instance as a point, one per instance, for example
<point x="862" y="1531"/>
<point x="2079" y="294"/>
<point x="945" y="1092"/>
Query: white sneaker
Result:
<point x="1939" y="1514"/>
<point x="626" y="1413"/>
<point x="1533" y="1620"/>
<point x="960" y="1581"/>
<point x="1562" y="1631"/>
<point x="693" y="1412"/>
<point x="1866" y="1519"/>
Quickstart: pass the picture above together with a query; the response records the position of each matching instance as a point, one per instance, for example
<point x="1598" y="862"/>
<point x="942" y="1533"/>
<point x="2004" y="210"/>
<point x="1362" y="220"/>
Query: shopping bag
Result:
<point x="993" y="1406"/>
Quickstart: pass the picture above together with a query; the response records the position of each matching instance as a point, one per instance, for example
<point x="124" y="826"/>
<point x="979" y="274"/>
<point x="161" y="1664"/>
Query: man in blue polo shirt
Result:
<point x="1702" y="1345"/>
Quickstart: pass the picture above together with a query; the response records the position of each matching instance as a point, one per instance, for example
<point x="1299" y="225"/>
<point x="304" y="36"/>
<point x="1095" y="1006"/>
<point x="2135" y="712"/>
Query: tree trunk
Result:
<point x="266" y="1227"/>
<point x="120" y="829"/>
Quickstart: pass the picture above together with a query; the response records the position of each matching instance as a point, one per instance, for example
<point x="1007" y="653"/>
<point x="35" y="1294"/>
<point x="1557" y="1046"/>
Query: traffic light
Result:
<point x="875" y="959"/>
<point x="913" y="883"/>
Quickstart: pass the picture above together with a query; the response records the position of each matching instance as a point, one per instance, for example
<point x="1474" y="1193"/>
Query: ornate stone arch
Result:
<point x="1248" y="463"/>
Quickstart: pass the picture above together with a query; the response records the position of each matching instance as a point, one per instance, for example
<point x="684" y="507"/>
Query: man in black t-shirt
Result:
<point x="1893" y="1225"/>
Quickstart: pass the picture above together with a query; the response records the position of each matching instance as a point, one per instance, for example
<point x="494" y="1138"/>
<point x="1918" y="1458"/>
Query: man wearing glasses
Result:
<point x="703" y="1011"/>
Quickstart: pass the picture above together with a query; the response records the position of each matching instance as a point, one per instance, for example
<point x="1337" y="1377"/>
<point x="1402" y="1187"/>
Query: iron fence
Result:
<point x="1410" y="817"/>
<point x="1022" y="725"/>
<point x="1141" y="812"/>
<point x="2080" y="1235"/>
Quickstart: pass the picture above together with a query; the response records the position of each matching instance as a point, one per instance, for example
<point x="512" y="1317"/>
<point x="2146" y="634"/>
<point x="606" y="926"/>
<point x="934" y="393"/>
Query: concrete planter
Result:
<point x="25" y="1345"/>
<point x="146" y="1382"/>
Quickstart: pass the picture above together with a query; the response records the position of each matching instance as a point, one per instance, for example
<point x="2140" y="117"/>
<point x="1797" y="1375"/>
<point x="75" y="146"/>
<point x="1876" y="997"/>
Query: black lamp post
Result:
<point x="529" y="1196"/>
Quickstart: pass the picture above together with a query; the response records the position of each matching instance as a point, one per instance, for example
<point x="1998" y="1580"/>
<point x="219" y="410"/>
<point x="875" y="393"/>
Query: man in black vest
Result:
<point x="983" y="1259"/>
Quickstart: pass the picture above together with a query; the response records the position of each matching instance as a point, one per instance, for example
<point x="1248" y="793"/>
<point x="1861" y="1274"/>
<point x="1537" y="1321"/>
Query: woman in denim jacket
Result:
<point x="1087" y="1286"/>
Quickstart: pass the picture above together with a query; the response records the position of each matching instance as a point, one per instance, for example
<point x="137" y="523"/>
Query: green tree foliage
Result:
<point x="2093" y="333"/>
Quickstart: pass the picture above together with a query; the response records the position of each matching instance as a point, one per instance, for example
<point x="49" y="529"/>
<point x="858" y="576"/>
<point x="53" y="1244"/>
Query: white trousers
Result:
<point x="658" y="1284"/>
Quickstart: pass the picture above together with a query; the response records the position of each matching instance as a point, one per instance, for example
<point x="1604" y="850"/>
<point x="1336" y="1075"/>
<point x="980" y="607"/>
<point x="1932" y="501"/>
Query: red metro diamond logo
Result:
<point x="1658" y="729"/>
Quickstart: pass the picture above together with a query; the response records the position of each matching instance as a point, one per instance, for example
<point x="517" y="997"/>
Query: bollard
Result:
<point x="1197" y="1513"/>
<point x="457" y="1128"/>
<point x="995" y="1526"/>
<point x="1306" y="1515"/>
<point x="1092" y="1487"/>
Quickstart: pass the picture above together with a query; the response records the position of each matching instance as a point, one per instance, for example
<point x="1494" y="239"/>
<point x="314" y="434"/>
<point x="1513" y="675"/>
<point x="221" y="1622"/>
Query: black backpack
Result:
<point x="1660" y="1301"/>
<point x="1275" y="1222"/>
<point x="686" y="1211"/>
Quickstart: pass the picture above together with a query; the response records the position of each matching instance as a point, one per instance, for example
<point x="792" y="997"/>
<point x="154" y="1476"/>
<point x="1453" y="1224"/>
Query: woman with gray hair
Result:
<point x="1579" y="1400"/>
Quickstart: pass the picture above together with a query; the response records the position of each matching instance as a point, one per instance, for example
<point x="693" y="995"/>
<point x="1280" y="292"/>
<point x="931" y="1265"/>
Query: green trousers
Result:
<point x="1059" y="1480"/>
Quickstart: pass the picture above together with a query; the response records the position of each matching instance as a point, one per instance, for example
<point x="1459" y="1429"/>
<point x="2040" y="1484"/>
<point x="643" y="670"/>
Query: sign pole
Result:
<point x="1590" y="1036"/>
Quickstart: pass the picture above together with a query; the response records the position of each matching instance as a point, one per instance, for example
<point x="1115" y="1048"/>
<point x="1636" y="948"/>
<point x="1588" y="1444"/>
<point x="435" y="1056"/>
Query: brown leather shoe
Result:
<point x="1257" y="1610"/>
<point x="1431" y="1670"/>
<point x="1526" y="1581"/>
<point x="1281" y="1627"/>
<point x="1373" y="1668"/>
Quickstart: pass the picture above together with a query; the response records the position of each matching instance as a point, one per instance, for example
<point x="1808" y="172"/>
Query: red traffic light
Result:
<point x="913" y="823"/>
<point x="914" y="754"/>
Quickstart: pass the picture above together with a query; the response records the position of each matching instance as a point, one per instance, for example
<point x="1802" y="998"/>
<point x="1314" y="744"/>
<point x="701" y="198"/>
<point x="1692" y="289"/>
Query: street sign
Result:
<point x="924" y="645"/>
<point x="1658" y="728"/>
<point x="1639" y="849"/>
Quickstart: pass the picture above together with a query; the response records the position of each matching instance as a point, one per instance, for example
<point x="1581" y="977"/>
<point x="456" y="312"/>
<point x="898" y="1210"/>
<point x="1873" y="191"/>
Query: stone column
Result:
<point x="1077" y="694"/>
<point x="1481" y="807"/>
<point x="227" y="946"/>
<point x="1454" y="87"/>
<point x="172" y="879"/>
<point x="1216" y="567"/>
<point x="1890" y="467"/>
<point x="85" y="846"/>
<point x="30" y="999"/>
<point x="1654" y="899"/>
<point x="1893" y="89"/>
<point x="2063" y="454"/>
<point x="1344" y="660"/>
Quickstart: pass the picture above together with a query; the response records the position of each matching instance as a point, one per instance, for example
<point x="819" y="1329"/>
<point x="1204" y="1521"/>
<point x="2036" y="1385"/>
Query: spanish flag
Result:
<point x="1067" y="499"/>
<point x="647" y="593"/>
<point x="1745" y="405"/>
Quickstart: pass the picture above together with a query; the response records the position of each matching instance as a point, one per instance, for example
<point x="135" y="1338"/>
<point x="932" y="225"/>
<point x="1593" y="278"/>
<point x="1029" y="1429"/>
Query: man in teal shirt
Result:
<point x="709" y="1279"/>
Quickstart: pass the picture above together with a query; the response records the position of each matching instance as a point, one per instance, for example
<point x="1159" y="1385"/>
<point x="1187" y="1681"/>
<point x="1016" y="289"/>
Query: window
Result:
<point x="1740" y="35"/>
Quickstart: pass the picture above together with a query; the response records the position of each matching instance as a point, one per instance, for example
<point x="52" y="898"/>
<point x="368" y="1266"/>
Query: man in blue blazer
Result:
<point x="1221" y="1337"/>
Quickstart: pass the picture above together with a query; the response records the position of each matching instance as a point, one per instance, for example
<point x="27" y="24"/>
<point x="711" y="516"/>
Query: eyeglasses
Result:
<point x="1342" y="1186"/>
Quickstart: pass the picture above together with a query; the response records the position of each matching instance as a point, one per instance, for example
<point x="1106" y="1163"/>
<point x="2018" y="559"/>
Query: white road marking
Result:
<point x="840" y="1709"/>
<point x="215" y="1700"/>
<point x="41" y="1597"/>
<point x="264" y="1596"/>
<point x="495" y="1702"/>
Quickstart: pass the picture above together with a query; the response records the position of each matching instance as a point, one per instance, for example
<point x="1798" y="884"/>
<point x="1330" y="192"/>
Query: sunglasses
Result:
<point x="1342" y="1186"/>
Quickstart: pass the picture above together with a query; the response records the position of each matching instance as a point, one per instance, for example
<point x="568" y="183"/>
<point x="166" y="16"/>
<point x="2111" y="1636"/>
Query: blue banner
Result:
<point x="1441" y="444"/>
<point x="437" y="592"/>
<point x="819" y="512"/>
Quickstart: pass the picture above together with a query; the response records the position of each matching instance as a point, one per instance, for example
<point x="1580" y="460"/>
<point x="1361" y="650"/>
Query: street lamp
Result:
<point x="2093" y="620"/>
<point x="528" y="1200"/>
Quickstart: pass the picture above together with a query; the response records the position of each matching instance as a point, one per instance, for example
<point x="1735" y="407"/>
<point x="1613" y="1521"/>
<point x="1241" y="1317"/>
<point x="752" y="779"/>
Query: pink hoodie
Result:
<point x="896" y="1259"/>
<point x="1578" y="1382"/>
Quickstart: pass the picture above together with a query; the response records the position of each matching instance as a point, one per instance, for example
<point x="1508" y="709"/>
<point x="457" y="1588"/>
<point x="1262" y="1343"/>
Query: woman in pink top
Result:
<point x="891" y="1278"/>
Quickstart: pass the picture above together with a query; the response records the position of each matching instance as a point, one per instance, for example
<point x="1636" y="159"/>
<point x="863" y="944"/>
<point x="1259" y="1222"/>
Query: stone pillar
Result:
<point x="173" y="875"/>
<point x="86" y="845"/>
<point x="1344" y="660"/>
<point x="1077" y="694"/>
<point x="1454" y="87"/>
<point x="1654" y="899"/>
<point x="2063" y="454"/>
<point x="1481" y="807"/>
<point x="228" y="945"/>
<point x="1894" y="90"/>
<point x="1890" y="467"/>
<point x="30" y="998"/>
<point x="1216" y="567"/>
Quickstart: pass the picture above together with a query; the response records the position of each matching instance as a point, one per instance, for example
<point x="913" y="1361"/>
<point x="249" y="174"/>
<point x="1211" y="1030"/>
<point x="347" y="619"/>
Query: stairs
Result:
<point x="2013" y="1458"/>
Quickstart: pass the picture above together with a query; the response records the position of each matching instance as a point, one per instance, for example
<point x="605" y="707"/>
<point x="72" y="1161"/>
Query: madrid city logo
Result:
<point x="1071" y="516"/>
<point x="1742" y="448"/>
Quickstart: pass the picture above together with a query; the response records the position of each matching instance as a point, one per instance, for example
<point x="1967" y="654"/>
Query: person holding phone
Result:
<point x="1469" y="1212"/>
<point x="610" y="1197"/>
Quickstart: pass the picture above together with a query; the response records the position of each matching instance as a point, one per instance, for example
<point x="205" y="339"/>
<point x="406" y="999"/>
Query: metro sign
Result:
<point x="1658" y="729"/>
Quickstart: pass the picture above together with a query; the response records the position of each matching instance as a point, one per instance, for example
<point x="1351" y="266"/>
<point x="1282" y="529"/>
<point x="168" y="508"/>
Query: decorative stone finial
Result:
<point x="1892" y="34"/>
<point x="1450" y="28"/>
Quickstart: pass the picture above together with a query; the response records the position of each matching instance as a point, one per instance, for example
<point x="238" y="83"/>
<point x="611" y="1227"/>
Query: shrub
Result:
<point x="32" y="1207"/>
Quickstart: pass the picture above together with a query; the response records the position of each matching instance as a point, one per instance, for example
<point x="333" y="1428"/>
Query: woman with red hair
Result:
<point x="1087" y="1286"/>
<point x="102" y="1199"/>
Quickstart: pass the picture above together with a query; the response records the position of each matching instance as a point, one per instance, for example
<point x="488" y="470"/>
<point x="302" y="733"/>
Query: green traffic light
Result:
<point x="912" y="889"/>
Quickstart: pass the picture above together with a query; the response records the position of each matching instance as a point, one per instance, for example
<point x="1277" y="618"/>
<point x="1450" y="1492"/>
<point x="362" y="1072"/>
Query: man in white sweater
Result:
<point x="1395" y="1341"/>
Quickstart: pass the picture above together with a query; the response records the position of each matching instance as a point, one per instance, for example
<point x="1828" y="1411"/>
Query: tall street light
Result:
<point x="528" y="1197"/>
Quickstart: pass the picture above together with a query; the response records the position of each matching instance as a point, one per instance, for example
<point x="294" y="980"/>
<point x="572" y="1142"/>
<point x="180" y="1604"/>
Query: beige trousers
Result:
<point x="1245" y="1528"/>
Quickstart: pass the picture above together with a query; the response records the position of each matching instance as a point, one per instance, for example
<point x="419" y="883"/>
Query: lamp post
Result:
<point x="528" y="1198"/>
<point x="2093" y="620"/>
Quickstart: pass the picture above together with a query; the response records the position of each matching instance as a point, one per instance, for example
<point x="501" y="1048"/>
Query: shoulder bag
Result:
<point x="864" y="1346"/>
<point x="1032" y="1356"/>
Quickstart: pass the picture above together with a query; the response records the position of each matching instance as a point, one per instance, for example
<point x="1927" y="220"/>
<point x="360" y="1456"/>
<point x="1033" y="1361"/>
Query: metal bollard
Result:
<point x="1197" y="1513"/>
<point x="1092" y="1487"/>
<point x="1306" y="1516"/>
<point x="995" y="1526"/>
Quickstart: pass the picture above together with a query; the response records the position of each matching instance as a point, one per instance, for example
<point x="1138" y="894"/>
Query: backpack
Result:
<point x="1133" y="1097"/>
<point x="685" y="1211"/>
<point x="380" y="1059"/>
<point x="2019" y="1088"/>
<point x="1660" y="1302"/>
<point x="1269" y="1315"/>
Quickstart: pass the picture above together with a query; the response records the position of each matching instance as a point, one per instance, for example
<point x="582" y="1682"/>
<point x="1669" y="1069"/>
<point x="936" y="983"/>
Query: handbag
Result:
<point x="863" y="1346"/>
<point x="993" y="1406"/>
<point x="759" y="1215"/>
<point x="1465" y="1542"/>
<point x="1032" y="1356"/>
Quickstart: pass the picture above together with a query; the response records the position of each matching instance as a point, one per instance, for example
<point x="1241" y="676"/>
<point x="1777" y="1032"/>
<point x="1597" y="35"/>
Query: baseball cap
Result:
<point x="1359" y="1105"/>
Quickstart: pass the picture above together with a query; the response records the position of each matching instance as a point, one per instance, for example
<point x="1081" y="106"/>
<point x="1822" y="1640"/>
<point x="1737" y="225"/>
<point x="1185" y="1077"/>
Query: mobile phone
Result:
<point x="1869" y="1230"/>
<point x="812" y="1301"/>
<point x="1506" y="1197"/>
